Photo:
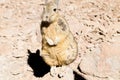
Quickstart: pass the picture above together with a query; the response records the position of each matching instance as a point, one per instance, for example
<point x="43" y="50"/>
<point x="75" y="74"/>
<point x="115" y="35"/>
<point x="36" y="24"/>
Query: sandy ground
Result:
<point x="94" y="23"/>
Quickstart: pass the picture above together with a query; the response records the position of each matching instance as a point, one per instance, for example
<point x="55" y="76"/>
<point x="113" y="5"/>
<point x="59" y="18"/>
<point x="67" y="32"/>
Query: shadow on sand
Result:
<point x="35" y="61"/>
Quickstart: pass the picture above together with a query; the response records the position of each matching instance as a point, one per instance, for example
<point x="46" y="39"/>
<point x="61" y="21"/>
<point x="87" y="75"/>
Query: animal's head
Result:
<point x="50" y="11"/>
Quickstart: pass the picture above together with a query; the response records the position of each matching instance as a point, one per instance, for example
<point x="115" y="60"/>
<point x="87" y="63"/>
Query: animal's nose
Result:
<point x="46" y="16"/>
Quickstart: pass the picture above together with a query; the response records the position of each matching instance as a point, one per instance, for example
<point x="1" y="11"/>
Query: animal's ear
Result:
<point x="56" y="2"/>
<point x="46" y="1"/>
<point x="38" y="52"/>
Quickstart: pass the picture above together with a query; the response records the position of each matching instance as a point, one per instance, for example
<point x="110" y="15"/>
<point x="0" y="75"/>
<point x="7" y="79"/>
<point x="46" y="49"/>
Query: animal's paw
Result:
<point x="50" y="41"/>
<point x="53" y="42"/>
<point x="64" y="72"/>
<point x="53" y="71"/>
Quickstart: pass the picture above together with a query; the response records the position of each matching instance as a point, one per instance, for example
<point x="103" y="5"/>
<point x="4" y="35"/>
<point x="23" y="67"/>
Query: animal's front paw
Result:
<point x="52" y="42"/>
<point x="49" y="41"/>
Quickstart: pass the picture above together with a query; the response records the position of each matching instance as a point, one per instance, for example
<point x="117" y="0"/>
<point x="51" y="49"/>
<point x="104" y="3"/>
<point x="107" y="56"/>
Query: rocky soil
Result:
<point x="94" y="23"/>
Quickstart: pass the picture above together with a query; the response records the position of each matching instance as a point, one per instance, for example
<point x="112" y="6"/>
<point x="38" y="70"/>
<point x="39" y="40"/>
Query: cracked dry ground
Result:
<point x="94" y="23"/>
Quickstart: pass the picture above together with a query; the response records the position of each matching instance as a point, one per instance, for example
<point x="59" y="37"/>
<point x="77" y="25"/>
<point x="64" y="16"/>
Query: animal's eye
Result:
<point x="54" y="9"/>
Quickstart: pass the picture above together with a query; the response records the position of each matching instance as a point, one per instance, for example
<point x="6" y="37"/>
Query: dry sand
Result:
<point x="94" y="23"/>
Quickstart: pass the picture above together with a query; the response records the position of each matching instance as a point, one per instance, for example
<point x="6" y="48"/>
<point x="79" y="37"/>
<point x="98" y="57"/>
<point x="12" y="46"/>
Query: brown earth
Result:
<point x="94" y="23"/>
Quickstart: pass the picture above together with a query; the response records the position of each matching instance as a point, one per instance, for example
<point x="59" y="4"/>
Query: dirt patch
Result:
<point x="95" y="25"/>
